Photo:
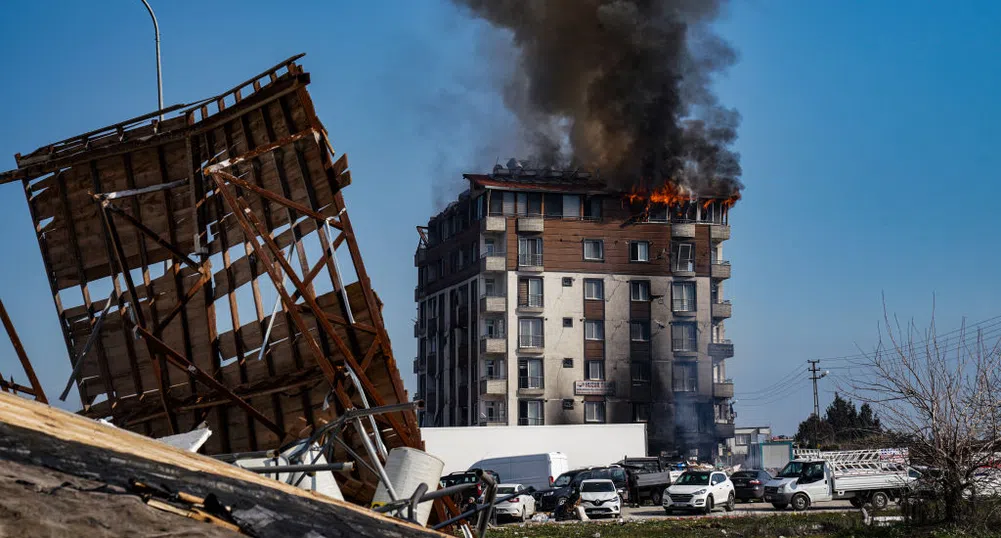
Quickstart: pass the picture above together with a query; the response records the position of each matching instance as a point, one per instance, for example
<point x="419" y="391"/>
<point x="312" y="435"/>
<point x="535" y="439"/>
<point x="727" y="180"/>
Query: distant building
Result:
<point x="745" y="447"/>
<point x="544" y="297"/>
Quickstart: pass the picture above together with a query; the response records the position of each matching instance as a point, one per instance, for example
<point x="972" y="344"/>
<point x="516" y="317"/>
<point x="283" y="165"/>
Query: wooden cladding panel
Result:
<point x="594" y="350"/>
<point x="639" y="310"/>
<point x="594" y="309"/>
<point x="702" y="254"/>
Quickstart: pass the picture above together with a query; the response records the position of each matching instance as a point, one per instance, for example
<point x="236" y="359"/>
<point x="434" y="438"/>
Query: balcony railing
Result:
<point x="527" y="421"/>
<point x="682" y="305"/>
<point x="530" y="340"/>
<point x="684" y="266"/>
<point x="534" y="300"/>
<point x="531" y="382"/>
<point x="683" y="344"/>
<point x="495" y="418"/>
<point x="493" y="376"/>
<point x="527" y="259"/>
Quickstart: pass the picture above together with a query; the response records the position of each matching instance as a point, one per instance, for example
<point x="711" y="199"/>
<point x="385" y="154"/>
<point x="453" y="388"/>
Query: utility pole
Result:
<point x="814" y="370"/>
<point x="159" y="79"/>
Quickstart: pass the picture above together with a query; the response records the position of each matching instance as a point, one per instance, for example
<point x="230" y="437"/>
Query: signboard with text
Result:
<point x="593" y="387"/>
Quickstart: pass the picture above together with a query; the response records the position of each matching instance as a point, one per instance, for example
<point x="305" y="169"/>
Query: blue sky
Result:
<point x="869" y="141"/>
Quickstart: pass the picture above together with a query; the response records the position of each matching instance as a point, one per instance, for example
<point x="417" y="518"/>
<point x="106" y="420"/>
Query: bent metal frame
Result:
<point x="190" y="227"/>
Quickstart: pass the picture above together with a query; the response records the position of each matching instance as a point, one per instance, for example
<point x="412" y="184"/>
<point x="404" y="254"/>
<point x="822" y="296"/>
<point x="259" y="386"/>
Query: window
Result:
<point x="493" y="327"/>
<point x="640" y="372"/>
<point x="683" y="297"/>
<point x="530" y="413"/>
<point x="534" y="204"/>
<point x="554" y="205"/>
<point x="567" y="281"/>
<point x="592" y="208"/>
<point x="530" y="292"/>
<point x="639" y="290"/>
<point x="714" y="292"/>
<point x="685" y="377"/>
<point x="568" y="363"/>
<point x="489" y="248"/>
<point x="641" y="412"/>
<point x="594" y="249"/>
<point x="595" y="370"/>
<point x="529" y="251"/>
<point x="594" y="411"/>
<point x="639" y="331"/>
<point x="594" y="329"/>
<point x="494" y="369"/>
<point x="530" y="374"/>
<point x="683" y="337"/>
<point x="683" y="257"/>
<point x="522" y="208"/>
<point x="568" y="322"/>
<point x="530" y="332"/>
<point x="571" y="206"/>
<point x="490" y="287"/>
<point x="594" y="289"/>
<point x="639" y="251"/>
<point x="742" y="439"/>
<point x="494" y="411"/>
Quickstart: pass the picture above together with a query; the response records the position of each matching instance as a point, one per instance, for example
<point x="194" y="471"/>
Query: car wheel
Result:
<point x="731" y="503"/>
<point x="800" y="502"/>
<point x="709" y="505"/>
<point x="656" y="497"/>
<point x="879" y="500"/>
<point x="857" y="502"/>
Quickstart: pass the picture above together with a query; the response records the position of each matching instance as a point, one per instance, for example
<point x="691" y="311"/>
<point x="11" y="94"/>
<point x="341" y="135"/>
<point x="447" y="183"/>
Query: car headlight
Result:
<point x="701" y="491"/>
<point x="547" y="494"/>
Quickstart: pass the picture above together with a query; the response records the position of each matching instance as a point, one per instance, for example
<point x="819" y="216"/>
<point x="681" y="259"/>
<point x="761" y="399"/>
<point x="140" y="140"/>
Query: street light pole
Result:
<point x="159" y="79"/>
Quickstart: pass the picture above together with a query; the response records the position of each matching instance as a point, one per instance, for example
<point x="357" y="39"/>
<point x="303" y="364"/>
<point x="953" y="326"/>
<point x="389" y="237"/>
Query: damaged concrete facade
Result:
<point x="545" y="298"/>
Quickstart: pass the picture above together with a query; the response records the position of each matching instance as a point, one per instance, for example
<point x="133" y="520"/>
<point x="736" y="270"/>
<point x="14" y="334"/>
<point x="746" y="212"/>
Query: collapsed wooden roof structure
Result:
<point x="165" y="241"/>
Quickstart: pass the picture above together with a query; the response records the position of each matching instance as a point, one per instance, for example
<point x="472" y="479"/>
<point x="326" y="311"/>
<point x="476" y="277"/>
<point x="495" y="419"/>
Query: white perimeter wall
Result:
<point x="584" y="444"/>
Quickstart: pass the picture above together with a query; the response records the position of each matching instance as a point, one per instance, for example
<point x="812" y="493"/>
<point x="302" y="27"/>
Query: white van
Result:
<point x="536" y="470"/>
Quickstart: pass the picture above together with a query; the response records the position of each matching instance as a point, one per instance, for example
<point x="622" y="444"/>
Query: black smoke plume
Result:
<point x="622" y="86"/>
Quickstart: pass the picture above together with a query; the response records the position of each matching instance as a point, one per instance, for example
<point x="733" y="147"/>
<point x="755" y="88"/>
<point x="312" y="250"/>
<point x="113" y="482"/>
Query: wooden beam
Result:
<point x="15" y="341"/>
<point x="277" y="198"/>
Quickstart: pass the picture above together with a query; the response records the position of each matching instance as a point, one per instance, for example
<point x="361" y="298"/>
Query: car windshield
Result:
<point x="744" y="474"/>
<point x="591" y="487"/>
<point x="452" y="480"/>
<point x="505" y="490"/>
<point x="793" y="469"/>
<point x="693" y="479"/>
<point x="643" y="466"/>
<point x="563" y="480"/>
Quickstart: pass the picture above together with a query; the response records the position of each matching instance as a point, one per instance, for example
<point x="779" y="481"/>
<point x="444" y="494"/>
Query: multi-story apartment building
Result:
<point x="546" y="298"/>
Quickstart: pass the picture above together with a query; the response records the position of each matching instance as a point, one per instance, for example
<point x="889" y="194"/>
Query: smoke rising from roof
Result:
<point x="622" y="86"/>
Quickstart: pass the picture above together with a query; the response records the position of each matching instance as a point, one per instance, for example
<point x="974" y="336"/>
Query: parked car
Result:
<point x="749" y="485"/>
<point x="466" y="477"/>
<point x="599" y="497"/>
<point x="521" y="507"/>
<point x="565" y="484"/>
<point x="700" y="491"/>
<point x="535" y="470"/>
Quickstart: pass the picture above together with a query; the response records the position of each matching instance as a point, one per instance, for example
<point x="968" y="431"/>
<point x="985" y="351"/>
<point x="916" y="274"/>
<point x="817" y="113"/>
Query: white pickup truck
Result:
<point x="859" y="476"/>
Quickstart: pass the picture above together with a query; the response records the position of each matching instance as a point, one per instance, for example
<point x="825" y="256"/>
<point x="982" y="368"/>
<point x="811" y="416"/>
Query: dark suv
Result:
<point x="566" y="483"/>
<point x="465" y="477"/>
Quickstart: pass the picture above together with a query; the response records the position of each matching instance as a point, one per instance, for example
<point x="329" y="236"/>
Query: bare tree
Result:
<point x="942" y="395"/>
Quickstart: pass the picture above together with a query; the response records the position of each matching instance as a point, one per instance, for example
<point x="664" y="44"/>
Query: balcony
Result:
<point x="531" y="343"/>
<point x="493" y="261"/>
<point x="721" y="310"/>
<point x="724" y="430"/>
<point x="493" y="223"/>
<point x="493" y="387"/>
<point x="531" y="385"/>
<point x="722" y="349"/>
<point x="432" y="363"/>
<point x="420" y="256"/>
<point x="723" y="390"/>
<point x="419" y="329"/>
<point x="720" y="269"/>
<point x="719" y="232"/>
<point x="683" y="230"/>
<point x="529" y="421"/>
<point x="532" y="224"/>
<point x="532" y="305"/>
<point x="419" y="365"/>
<point x="529" y="262"/>
<point x="493" y="304"/>
<point x="494" y="343"/>
<point x="497" y="418"/>
<point x="418" y="293"/>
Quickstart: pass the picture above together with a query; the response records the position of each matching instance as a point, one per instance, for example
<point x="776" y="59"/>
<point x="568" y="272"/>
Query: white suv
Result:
<point x="699" y="491"/>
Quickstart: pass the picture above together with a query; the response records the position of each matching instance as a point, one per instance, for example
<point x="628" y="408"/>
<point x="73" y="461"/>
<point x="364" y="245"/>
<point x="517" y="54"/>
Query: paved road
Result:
<point x="742" y="509"/>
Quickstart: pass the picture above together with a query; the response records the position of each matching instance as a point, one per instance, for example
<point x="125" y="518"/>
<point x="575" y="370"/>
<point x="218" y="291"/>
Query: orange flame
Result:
<point x="674" y="195"/>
